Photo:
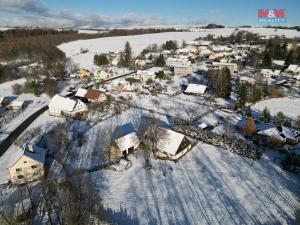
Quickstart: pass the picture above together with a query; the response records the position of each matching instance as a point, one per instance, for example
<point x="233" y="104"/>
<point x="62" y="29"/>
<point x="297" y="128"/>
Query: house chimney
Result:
<point x="30" y="147"/>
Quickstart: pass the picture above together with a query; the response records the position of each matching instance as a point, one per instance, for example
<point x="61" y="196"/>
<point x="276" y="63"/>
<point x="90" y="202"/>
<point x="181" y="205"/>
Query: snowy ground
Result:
<point x="208" y="186"/>
<point x="289" y="106"/>
<point x="139" y="42"/>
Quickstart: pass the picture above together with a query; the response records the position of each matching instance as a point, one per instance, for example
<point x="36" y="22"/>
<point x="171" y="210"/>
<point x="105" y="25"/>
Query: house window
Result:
<point x="25" y="161"/>
<point x="34" y="166"/>
<point x="20" y="177"/>
<point x="19" y="169"/>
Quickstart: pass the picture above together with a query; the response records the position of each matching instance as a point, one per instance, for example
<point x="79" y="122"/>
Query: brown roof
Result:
<point x="93" y="94"/>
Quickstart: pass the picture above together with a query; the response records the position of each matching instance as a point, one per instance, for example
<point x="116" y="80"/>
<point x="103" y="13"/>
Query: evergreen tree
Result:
<point x="128" y="54"/>
<point x="241" y="95"/>
<point x="265" y="89"/>
<point x="267" y="60"/>
<point x="266" y="116"/>
<point x="280" y="119"/>
<point x="226" y="80"/>
<point x="160" y="61"/>
<point x="290" y="59"/>
<point x="100" y="60"/>
<point x="161" y="75"/>
<point x="121" y="62"/>
<point x="248" y="111"/>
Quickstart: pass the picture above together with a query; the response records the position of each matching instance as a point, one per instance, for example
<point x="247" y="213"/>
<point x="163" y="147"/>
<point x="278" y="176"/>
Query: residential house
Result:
<point x="3" y="101"/>
<point x="16" y="105"/>
<point x="100" y="76"/>
<point x="145" y="75"/>
<point x="140" y="62"/>
<point x="293" y="68"/>
<point x="231" y="66"/>
<point x="123" y="85"/>
<point x="95" y="96"/>
<point x="125" y="140"/>
<point x="28" y="164"/>
<point x="279" y="137"/>
<point x="63" y="106"/>
<point x="85" y="73"/>
<point x="196" y="89"/>
<point x="183" y="70"/>
<point x="171" y="145"/>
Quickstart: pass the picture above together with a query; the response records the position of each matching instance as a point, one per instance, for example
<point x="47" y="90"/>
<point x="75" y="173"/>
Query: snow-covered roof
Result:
<point x="81" y="92"/>
<point x="38" y="154"/>
<point x="16" y="103"/>
<point x="292" y="67"/>
<point x="127" y="141"/>
<point x="273" y="133"/>
<point x="196" y="89"/>
<point x="65" y="104"/>
<point x="202" y="126"/>
<point x="278" y="62"/>
<point x="169" y="141"/>
<point x="1" y="99"/>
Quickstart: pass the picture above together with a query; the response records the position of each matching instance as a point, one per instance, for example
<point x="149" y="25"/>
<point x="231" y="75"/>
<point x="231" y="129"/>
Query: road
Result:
<point x="19" y="130"/>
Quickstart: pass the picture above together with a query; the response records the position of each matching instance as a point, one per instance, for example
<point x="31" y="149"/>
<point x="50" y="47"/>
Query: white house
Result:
<point x="16" y="105"/>
<point x="27" y="164"/>
<point x="126" y="139"/>
<point x="145" y="74"/>
<point x="171" y="145"/>
<point x="177" y="62"/>
<point x="292" y="68"/>
<point x="196" y="89"/>
<point x="231" y="66"/>
<point x="63" y="106"/>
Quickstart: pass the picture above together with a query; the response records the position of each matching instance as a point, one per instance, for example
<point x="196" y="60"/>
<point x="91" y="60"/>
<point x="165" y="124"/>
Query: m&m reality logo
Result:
<point x="271" y="15"/>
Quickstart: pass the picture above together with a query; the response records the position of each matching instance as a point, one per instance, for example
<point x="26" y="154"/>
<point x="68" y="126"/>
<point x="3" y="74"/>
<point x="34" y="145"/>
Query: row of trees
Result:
<point x="101" y="60"/>
<point x="219" y="82"/>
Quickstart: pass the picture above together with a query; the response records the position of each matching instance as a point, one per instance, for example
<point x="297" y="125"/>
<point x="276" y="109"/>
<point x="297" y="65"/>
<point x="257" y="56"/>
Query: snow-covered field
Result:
<point x="208" y="186"/>
<point x="289" y="106"/>
<point x="139" y="42"/>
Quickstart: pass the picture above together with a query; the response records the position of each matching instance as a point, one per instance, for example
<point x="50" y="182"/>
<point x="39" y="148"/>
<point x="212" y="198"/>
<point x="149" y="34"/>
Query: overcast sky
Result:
<point x="123" y="13"/>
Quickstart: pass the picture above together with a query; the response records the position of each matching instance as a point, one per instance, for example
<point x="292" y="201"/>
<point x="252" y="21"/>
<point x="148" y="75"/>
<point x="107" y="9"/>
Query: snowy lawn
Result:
<point x="207" y="186"/>
<point x="289" y="106"/>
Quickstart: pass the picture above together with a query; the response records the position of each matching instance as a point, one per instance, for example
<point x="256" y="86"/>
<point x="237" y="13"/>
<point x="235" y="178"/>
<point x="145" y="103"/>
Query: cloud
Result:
<point x="23" y="6"/>
<point x="34" y="13"/>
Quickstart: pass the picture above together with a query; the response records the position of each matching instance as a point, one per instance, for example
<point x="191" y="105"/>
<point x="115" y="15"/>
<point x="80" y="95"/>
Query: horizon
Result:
<point x="134" y="13"/>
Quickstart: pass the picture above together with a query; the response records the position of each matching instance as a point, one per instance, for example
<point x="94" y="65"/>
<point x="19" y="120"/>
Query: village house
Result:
<point x="177" y="62"/>
<point x="293" y="69"/>
<point x="145" y="75"/>
<point x="171" y="145"/>
<point x="28" y="164"/>
<point x="231" y="66"/>
<point x="183" y="70"/>
<point x="275" y="137"/>
<point x="196" y="89"/>
<point x="3" y="101"/>
<point x="63" y="106"/>
<point x="85" y="73"/>
<point x="125" y="140"/>
<point x="95" y="96"/>
<point x="140" y="62"/>
<point x="16" y="105"/>
<point x="123" y="85"/>
<point x="100" y="76"/>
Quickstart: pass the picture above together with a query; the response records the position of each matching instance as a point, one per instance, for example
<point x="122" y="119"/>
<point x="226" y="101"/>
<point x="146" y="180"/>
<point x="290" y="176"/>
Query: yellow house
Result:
<point x="27" y="165"/>
<point x="85" y="73"/>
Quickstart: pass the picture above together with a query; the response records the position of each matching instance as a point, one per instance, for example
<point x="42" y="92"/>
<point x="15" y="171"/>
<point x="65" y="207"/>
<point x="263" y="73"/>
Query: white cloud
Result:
<point x="34" y="13"/>
<point x="23" y="6"/>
